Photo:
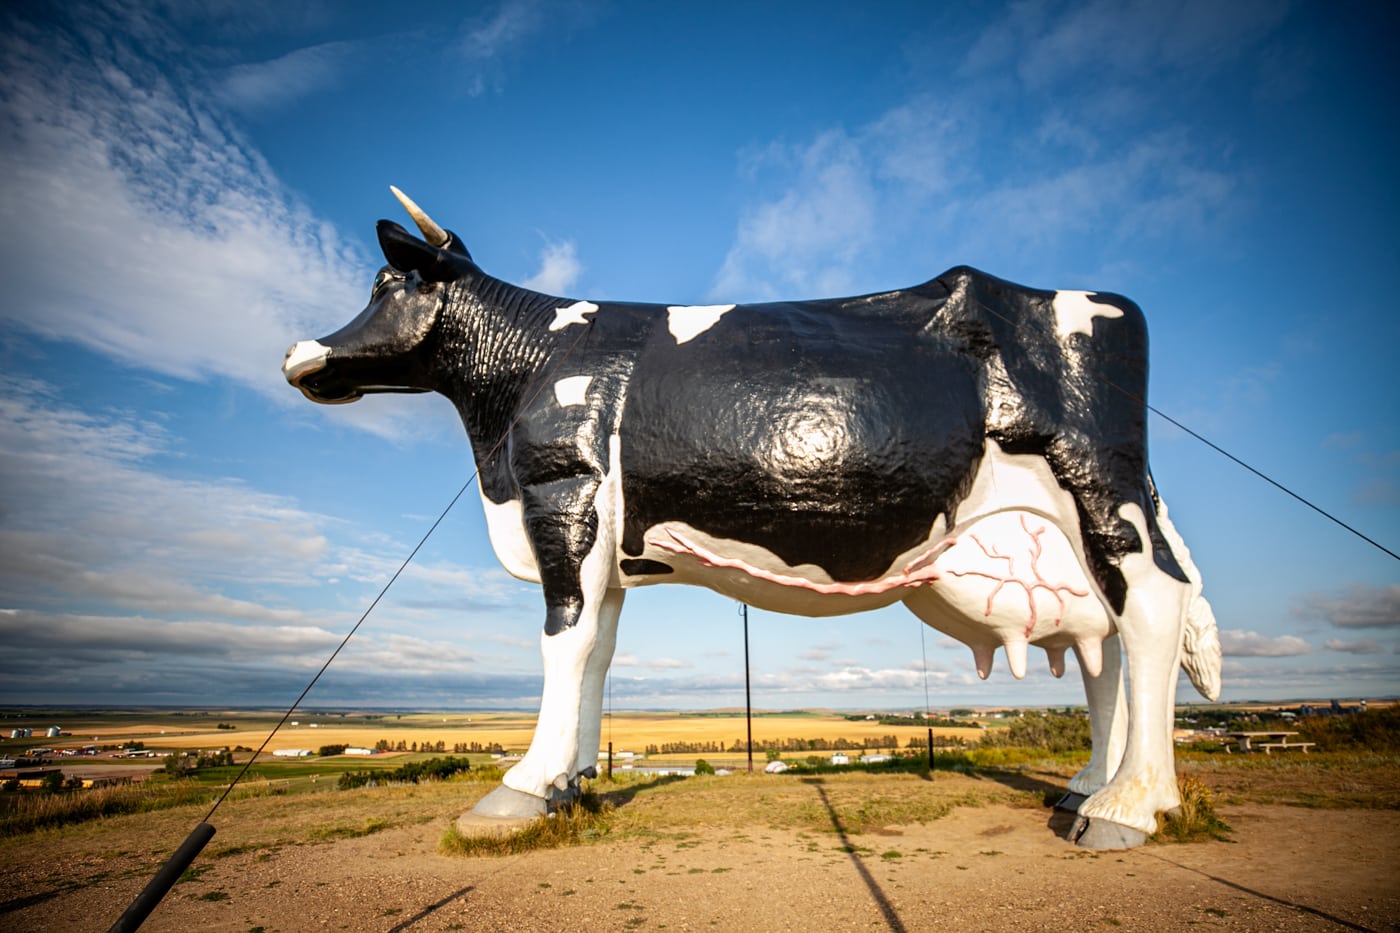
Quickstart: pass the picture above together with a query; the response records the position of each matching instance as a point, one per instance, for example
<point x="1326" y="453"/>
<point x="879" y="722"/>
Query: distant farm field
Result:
<point x="627" y="731"/>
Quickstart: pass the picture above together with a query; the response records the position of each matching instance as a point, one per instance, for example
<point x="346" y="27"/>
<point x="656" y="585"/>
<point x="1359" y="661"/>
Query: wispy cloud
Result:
<point x="1357" y="606"/>
<point x="920" y="168"/>
<point x="490" y="40"/>
<point x="1111" y="41"/>
<point x="1364" y="646"/>
<point x="806" y="238"/>
<point x="653" y="664"/>
<point x="939" y="169"/>
<point x="559" y="269"/>
<point x="84" y="516"/>
<point x="1242" y="644"/>
<point x="145" y="228"/>
<point x="201" y="575"/>
<point x="288" y="79"/>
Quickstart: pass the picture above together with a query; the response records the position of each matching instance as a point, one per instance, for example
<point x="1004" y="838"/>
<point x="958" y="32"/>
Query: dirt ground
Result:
<point x="995" y="867"/>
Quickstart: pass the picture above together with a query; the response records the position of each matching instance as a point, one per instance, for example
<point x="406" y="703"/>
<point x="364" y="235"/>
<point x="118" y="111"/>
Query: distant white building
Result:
<point x="362" y="752"/>
<point x="840" y="758"/>
<point x="292" y="753"/>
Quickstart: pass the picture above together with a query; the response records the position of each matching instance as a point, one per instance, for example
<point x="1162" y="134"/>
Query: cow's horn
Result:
<point x="434" y="234"/>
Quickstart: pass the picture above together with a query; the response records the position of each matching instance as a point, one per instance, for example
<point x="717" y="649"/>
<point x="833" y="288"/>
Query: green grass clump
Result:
<point x="1196" y="819"/>
<point x="585" y="820"/>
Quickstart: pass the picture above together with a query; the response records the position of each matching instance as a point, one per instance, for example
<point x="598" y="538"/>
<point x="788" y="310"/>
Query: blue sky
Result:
<point x="189" y="188"/>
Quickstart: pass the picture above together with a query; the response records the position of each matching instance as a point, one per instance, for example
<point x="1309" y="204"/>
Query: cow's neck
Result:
<point x="495" y="346"/>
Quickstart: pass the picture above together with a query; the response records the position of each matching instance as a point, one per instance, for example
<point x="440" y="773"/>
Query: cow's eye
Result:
<point x="380" y="281"/>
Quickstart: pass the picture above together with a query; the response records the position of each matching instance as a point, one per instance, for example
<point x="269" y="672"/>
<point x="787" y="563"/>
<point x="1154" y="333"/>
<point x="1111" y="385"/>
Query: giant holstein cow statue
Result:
<point x="969" y="447"/>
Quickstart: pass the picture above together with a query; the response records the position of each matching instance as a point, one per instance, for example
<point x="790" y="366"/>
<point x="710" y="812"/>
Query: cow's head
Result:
<point x="387" y="347"/>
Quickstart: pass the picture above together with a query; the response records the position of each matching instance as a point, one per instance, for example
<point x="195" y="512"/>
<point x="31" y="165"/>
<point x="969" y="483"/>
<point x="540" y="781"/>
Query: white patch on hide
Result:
<point x="570" y="390"/>
<point x="1075" y="313"/>
<point x="573" y="314"/>
<point x="505" y="526"/>
<point x="688" y="322"/>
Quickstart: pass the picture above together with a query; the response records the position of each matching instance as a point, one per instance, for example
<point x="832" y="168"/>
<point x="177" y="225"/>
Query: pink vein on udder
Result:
<point x="913" y="575"/>
<point x="1037" y="582"/>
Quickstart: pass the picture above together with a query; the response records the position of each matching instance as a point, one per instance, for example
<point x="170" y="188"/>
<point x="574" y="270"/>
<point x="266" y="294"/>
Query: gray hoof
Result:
<point x="1071" y="801"/>
<point x="507" y="803"/>
<point x="1104" y="834"/>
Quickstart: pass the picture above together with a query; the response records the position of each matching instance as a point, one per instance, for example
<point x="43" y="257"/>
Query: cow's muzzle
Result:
<point x="304" y="363"/>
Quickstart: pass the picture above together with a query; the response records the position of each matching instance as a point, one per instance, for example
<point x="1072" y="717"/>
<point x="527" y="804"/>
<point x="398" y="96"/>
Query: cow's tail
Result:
<point x="1200" y="649"/>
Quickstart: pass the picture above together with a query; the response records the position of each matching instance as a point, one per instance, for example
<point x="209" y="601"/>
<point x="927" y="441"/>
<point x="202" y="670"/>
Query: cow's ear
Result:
<point x="407" y="253"/>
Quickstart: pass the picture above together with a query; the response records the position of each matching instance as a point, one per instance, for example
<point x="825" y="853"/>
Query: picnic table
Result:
<point x="1268" y="741"/>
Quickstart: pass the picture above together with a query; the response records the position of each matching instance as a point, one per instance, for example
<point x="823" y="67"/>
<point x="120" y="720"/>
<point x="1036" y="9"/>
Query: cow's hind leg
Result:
<point x="1108" y="720"/>
<point x="1124" y="813"/>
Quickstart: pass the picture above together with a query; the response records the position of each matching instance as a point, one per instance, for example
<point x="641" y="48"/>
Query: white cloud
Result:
<point x="559" y="269"/>
<point x="1357" y="606"/>
<point x="510" y="24"/>
<point x="142" y="226"/>
<point x="1364" y="646"/>
<point x="287" y="79"/>
<point x="84" y="517"/>
<point x="1108" y="41"/>
<point x="83" y="638"/>
<point x="934" y="170"/>
<point x="1242" y="644"/>
<point x="804" y="240"/>
<point x="490" y="39"/>
<point x="629" y="660"/>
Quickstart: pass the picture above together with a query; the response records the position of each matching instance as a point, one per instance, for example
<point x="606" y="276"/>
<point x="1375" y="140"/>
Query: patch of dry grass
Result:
<point x="1324" y="781"/>
<point x="1196" y="819"/>
<point x="586" y="820"/>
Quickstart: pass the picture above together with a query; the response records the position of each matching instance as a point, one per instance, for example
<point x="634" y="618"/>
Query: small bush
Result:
<point x="1196" y="820"/>
<point x="1051" y="732"/>
<point x="703" y="767"/>
<point x="1375" y="730"/>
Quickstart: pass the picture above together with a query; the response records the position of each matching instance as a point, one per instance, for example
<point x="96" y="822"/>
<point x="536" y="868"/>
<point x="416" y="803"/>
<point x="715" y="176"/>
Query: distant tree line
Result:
<point x="458" y="748"/>
<point x="939" y="741"/>
<point x="776" y="745"/>
<point x="890" y="719"/>
<point x="180" y="764"/>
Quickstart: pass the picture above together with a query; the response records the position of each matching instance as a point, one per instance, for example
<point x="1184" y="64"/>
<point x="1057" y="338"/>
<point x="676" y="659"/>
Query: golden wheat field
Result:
<point x="627" y="731"/>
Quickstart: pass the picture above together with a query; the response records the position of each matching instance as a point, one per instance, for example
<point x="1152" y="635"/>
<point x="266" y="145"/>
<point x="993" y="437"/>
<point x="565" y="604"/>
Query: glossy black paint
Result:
<point x="830" y="432"/>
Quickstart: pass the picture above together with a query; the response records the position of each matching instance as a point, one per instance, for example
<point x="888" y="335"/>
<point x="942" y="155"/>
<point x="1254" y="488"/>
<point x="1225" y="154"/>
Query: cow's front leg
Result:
<point x="565" y="743"/>
<point x="570" y="532"/>
<point x="1124" y="812"/>
<point x="1108" y="721"/>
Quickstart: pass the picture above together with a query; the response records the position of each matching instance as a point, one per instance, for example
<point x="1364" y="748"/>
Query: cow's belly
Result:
<point x="755" y="575"/>
<point x="1007" y="576"/>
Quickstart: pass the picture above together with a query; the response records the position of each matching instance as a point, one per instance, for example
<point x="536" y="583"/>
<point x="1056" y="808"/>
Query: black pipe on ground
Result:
<point x="161" y="884"/>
